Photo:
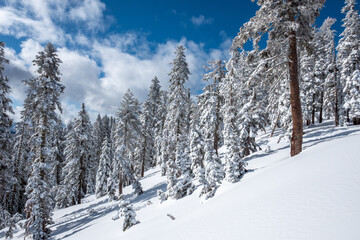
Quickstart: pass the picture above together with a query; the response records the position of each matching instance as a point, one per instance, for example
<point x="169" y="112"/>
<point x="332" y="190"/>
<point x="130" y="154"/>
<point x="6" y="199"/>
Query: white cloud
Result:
<point x="90" y="13"/>
<point x="201" y="20"/>
<point x="100" y="75"/>
<point x="30" y="18"/>
<point x="41" y="20"/>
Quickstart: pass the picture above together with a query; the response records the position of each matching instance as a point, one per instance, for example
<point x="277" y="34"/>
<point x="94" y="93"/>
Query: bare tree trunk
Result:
<point x="321" y="107"/>
<point x="216" y="129"/>
<point x="120" y="184"/>
<point x="143" y="157"/>
<point x="276" y="122"/>
<point x="296" y="114"/>
<point x="313" y="110"/>
<point x="81" y="176"/>
<point x="336" y="88"/>
<point x="42" y="159"/>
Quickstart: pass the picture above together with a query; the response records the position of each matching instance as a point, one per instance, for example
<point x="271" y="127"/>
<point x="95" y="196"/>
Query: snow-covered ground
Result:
<point x="315" y="195"/>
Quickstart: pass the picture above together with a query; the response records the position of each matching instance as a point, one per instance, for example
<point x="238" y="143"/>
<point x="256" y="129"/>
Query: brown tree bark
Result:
<point x="321" y="107"/>
<point x="276" y="123"/>
<point x="336" y="89"/>
<point x="79" y="193"/>
<point x="313" y="110"/>
<point x="143" y="157"/>
<point x="120" y="184"/>
<point x="296" y="114"/>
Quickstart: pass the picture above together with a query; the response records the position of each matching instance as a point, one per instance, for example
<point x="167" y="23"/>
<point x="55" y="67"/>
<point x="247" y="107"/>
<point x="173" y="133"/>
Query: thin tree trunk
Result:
<point x="143" y="157"/>
<point x="42" y="171"/>
<point x="80" y="181"/>
<point x="321" y="107"/>
<point x="216" y="129"/>
<point x="296" y="114"/>
<point x="336" y="110"/>
<point x="313" y="110"/>
<point x="120" y="184"/>
<point x="276" y="122"/>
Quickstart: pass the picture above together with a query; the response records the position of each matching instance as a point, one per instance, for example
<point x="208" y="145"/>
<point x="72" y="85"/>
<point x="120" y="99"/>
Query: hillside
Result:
<point x="314" y="195"/>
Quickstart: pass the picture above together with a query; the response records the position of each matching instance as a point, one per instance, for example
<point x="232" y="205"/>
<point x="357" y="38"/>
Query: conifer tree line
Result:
<point x="300" y="78"/>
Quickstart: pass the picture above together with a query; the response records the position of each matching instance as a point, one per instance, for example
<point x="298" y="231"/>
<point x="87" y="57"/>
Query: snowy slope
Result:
<point x="315" y="195"/>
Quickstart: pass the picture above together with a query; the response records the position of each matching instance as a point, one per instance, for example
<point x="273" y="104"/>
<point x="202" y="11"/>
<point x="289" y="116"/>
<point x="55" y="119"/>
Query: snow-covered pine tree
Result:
<point x="287" y="22"/>
<point x="21" y="168"/>
<point x="151" y="121"/>
<point x="211" y="124"/>
<point x="251" y="101"/>
<point x="112" y="181"/>
<point x="319" y="76"/>
<point x="21" y="156"/>
<point x="4" y="218"/>
<point x="307" y="63"/>
<point x="129" y="216"/>
<point x="234" y="166"/>
<point x="331" y="90"/>
<point x="106" y="128"/>
<point x="127" y="138"/>
<point x="323" y="57"/>
<point x="57" y="153"/>
<point x="348" y="61"/>
<point x="175" y="132"/>
<point x="78" y="169"/>
<point x="196" y="145"/>
<point x="48" y="89"/>
<point x="104" y="168"/>
<point x="6" y="165"/>
<point x="159" y="136"/>
<point x="216" y="74"/>
<point x="98" y="137"/>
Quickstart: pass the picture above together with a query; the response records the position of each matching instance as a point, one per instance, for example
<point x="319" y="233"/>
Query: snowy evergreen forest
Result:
<point x="294" y="76"/>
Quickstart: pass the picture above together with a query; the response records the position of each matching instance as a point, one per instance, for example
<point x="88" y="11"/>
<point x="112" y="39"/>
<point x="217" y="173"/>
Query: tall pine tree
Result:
<point x="348" y="60"/>
<point x="6" y="165"/>
<point x="48" y="89"/>
<point x="127" y="138"/>
<point x="285" y="22"/>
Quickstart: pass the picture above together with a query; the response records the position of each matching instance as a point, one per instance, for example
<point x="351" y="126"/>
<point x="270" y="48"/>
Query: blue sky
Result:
<point x="109" y="46"/>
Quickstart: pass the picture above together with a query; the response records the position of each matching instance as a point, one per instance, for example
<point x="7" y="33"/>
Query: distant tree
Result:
<point x="307" y="72"/>
<point x="151" y="122"/>
<point x="160" y="136"/>
<point x="196" y="145"/>
<point x="57" y="153"/>
<point x="213" y="99"/>
<point x="348" y="59"/>
<point x="21" y="166"/>
<point x="104" y="169"/>
<point x="98" y="137"/>
<point x="127" y="138"/>
<point x="78" y="161"/>
<point x="234" y="166"/>
<point x="331" y="83"/>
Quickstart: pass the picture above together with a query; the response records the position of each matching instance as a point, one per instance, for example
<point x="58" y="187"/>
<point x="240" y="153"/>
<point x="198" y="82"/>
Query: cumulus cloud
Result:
<point x="201" y="20"/>
<point x="30" y="18"/>
<point x="99" y="74"/>
<point x="90" y="13"/>
<point x="41" y="20"/>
